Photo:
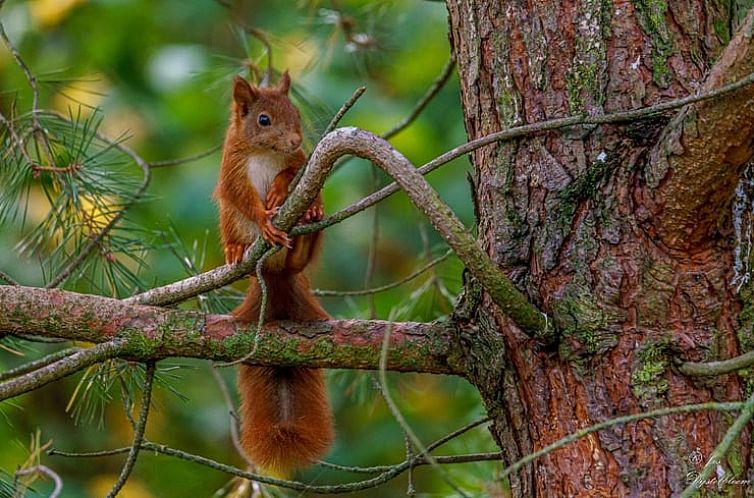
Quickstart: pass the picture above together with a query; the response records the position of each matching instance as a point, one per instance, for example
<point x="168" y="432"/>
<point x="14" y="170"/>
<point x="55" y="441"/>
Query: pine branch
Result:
<point x="61" y="368"/>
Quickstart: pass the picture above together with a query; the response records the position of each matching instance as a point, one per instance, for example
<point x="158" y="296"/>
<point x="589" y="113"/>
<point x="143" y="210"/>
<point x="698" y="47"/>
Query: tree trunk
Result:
<point x="629" y="253"/>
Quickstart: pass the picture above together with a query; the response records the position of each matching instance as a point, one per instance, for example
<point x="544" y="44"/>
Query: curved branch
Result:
<point x="712" y="368"/>
<point x="696" y="164"/>
<point x="149" y="333"/>
<point x="369" y="146"/>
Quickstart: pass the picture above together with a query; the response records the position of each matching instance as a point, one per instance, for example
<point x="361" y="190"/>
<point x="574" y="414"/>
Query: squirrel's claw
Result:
<point x="315" y="212"/>
<point x="234" y="253"/>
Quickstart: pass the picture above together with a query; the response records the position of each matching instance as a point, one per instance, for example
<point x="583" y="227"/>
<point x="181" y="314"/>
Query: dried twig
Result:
<point x="432" y="91"/>
<point x="734" y="432"/>
<point x="183" y="160"/>
<point x="383" y="288"/>
<point x="141" y="426"/>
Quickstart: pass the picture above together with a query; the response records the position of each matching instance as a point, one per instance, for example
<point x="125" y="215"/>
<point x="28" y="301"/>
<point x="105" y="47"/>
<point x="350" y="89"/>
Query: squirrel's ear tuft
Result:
<point x="285" y="82"/>
<point x="243" y="93"/>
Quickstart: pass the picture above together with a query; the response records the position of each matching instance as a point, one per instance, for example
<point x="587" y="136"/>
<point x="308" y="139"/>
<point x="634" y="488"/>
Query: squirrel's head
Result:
<point x="265" y="118"/>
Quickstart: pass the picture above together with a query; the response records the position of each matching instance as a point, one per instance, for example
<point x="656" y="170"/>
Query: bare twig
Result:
<point x="61" y="368"/>
<point x="331" y="126"/>
<point x="47" y="471"/>
<point x="433" y="90"/>
<point x="344" y="109"/>
<point x="38" y="130"/>
<point x="372" y="253"/>
<point x="402" y="421"/>
<point x="235" y="429"/>
<point x="390" y="473"/>
<point x="34" y="365"/>
<point x="262" y="309"/>
<point x="7" y="278"/>
<point x="382" y="288"/>
<point x="734" y="432"/>
<point x="662" y="412"/>
<point x="183" y="160"/>
<point x="141" y="426"/>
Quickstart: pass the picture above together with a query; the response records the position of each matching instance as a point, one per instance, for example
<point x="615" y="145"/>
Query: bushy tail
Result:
<point x="285" y="414"/>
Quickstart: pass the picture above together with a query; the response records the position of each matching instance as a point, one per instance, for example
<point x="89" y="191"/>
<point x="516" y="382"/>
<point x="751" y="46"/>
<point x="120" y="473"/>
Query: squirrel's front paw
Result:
<point x="275" y="197"/>
<point x="315" y="212"/>
<point x="275" y="236"/>
<point x="234" y="253"/>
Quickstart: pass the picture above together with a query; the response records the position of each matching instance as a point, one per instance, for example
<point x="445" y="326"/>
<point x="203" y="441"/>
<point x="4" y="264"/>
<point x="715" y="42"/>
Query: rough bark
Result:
<point x="571" y="218"/>
<point x="151" y="333"/>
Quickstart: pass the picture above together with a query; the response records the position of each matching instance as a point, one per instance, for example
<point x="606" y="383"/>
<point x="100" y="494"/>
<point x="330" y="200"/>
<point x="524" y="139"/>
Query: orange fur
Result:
<point x="286" y="417"/>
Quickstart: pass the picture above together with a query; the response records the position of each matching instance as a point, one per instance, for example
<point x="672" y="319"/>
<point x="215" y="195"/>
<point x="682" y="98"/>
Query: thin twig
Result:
<point x="344" y="109"/>
<point x="235" y="430"/>
<point x="565" y="441"/>
<point x="138" y="432"/>
<point x="43" y="469"/>
<point x="433" y="90"/>
<point x="373" y="243"/>
<point x="402" y="421"/>
<point x="7" y="278"/>
<point x="32" y="80"/>
<point x="410" y="487"/>
<point x="262" y="309"/>
<point x="183" y="160"/>
<point x="418" y="459"/>
<point x="61" y="368"/>
<point x="331" y="126"/>
<point x="36" y="364"/>
<point x="391" y="472"/>
<point x="382" y="288"/>
<point x="747" y="412"/>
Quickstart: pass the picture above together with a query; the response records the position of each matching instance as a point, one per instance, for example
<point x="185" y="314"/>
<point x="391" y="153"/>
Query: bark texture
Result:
<point x="593" y="223"/>
<point x="149" y="333"/>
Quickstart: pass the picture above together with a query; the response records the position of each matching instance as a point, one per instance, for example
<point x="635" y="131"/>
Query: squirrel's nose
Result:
<point x="294" y="141"/>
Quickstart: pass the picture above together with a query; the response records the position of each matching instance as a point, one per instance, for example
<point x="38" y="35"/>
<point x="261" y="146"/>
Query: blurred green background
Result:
<point x="159" y="73"/>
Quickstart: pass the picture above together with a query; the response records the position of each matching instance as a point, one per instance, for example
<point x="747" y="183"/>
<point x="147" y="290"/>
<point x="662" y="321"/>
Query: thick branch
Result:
<point x="151" y="333"/>
<point x="697" y="162"/>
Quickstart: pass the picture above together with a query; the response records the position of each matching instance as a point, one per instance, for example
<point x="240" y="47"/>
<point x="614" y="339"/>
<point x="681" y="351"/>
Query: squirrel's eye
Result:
<point x="264" y="120"/>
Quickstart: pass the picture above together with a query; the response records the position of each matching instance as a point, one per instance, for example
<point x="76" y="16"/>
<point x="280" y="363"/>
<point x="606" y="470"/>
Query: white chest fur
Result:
<point x="262" y="169"/>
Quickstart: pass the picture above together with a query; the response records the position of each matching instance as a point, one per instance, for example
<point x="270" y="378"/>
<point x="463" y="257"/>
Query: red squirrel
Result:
<point x="286" y="419"/>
